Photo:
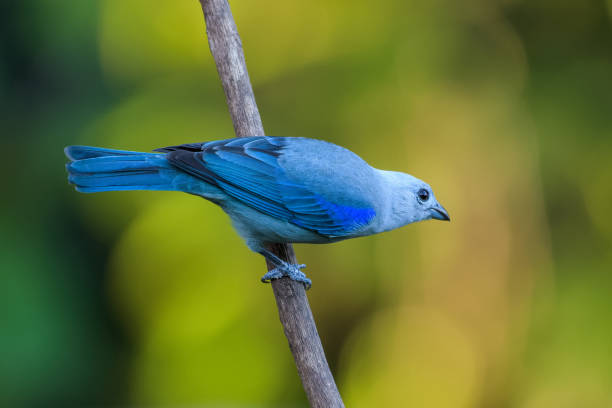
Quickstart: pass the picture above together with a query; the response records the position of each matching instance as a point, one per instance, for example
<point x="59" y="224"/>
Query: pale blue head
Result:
<point x="411" y="200"/>
<point x="425" y="203"/>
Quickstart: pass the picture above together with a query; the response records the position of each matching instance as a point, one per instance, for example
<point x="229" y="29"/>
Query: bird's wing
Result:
<point x="248" y="170"/>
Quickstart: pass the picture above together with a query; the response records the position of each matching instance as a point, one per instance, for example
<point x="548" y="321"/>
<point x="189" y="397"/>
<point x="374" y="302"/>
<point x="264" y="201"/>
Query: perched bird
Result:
<point x="274" y="189"/>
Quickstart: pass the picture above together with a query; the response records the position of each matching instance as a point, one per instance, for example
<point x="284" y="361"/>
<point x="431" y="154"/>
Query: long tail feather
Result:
<point x="89" y="152"/>
<point x="95" y="169"/>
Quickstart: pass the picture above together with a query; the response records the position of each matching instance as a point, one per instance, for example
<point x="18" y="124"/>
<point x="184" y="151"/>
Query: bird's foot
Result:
<point x="292" y="271"/>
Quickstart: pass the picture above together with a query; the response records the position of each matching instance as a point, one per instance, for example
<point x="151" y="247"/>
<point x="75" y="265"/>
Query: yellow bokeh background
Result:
<point x="151" y="299"/>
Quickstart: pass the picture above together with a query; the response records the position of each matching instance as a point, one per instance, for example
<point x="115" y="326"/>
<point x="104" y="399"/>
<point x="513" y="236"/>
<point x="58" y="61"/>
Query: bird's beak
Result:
<point x="439" y="213"/>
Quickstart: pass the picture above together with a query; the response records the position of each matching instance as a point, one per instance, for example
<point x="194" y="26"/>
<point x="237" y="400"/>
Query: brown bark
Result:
<point x="293" y="308"/>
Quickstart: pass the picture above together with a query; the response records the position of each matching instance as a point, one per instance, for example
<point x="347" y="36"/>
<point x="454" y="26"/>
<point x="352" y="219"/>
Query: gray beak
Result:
<point x="439" y="213"/>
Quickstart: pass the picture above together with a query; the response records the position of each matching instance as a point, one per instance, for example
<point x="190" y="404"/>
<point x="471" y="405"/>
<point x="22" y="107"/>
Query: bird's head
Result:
<point x="412" y="200"/>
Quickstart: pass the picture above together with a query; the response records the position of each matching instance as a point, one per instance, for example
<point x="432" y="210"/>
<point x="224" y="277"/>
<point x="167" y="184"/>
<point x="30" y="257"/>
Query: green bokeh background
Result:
<point x="150" y="299"/>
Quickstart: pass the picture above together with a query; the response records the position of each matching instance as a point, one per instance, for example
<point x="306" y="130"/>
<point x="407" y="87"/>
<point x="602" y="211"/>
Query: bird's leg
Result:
<point x="284" y="269"/>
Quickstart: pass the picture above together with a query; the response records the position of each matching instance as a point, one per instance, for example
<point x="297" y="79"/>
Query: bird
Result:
<point x="274" y="189"/>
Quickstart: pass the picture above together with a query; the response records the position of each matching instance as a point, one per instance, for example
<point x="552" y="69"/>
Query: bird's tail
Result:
<point x="94" y="169"/>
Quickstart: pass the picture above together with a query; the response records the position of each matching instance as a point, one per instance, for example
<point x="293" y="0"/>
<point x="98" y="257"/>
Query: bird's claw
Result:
<point x="292" y="271"/>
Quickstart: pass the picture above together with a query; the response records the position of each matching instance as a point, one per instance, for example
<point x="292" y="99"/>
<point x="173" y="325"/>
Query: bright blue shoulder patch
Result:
<point x="332" y="219"/>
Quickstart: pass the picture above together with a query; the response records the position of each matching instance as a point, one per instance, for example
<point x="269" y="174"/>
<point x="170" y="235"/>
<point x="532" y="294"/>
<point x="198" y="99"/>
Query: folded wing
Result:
<point x="248" y="169"/>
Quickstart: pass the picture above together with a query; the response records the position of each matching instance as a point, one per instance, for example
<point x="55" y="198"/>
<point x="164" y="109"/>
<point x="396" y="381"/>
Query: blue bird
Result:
<point x="274" y="189"/>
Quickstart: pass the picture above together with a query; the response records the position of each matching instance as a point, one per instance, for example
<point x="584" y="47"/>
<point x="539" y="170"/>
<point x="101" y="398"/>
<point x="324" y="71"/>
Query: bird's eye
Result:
<point x="423" y="195"/>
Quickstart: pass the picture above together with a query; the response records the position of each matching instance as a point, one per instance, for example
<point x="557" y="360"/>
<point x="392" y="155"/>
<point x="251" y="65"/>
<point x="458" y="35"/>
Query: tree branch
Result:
<point x="293" y="308"/>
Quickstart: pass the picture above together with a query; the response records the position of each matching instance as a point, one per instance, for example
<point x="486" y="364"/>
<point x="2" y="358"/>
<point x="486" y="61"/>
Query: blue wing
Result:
<point x="248" y="170"/>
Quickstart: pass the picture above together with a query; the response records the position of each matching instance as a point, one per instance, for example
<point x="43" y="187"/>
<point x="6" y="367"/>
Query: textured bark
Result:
<point x="293" y="308"/>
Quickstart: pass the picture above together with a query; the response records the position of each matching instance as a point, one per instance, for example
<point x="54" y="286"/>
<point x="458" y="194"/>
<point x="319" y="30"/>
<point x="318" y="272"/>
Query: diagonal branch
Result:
<point x="293" y="308"/>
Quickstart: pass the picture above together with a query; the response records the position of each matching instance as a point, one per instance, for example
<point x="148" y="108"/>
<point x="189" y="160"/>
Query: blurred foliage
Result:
<point x="149" y="298"/>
